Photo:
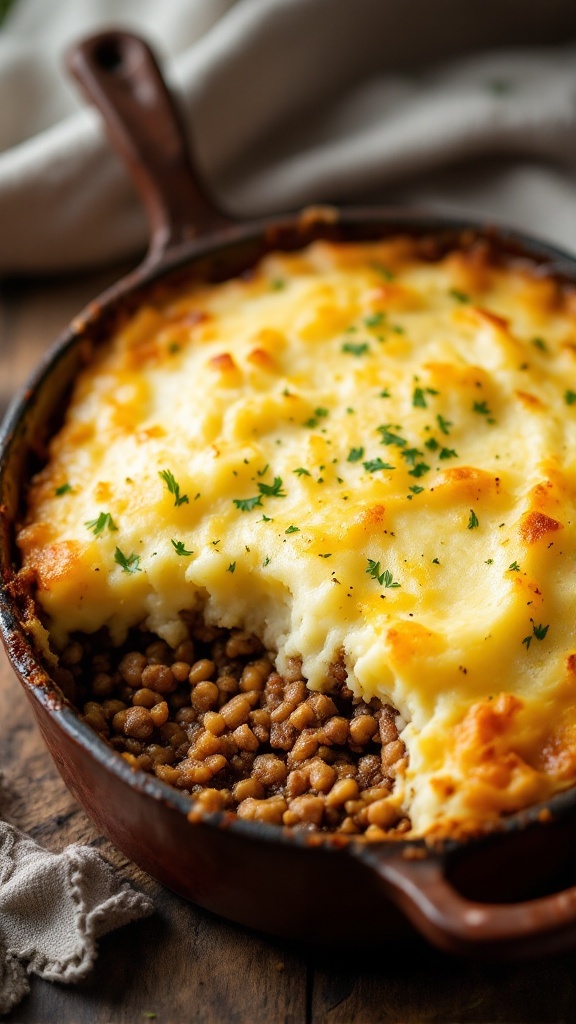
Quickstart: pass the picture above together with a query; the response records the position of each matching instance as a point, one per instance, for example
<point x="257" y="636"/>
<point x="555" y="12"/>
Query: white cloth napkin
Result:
<point x="53" y="909"/>
<point x="468" y="107"/>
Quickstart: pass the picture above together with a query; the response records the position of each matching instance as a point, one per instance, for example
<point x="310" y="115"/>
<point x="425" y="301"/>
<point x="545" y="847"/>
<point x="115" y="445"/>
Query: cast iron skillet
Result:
<point x="491" y="896"/>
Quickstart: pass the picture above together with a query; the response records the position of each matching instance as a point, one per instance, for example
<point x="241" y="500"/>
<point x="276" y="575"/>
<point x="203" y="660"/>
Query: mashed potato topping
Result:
<point x="356" y="454"/>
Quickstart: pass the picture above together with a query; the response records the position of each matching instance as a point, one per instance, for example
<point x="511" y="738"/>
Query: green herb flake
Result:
<point x="431" y="444"/>
<point x="514" y="567"/>
<point x="384" y="577"/>
<point x="277" y="284"/>
<point x="443" y="424"/>
<point x="231" y="567"/>
<point x="448" y="453"/>
<point x="385" y="393"/>
<point x="104" y="520"/>
<point x="435" y="561"/>
<point x="419" y="469"/>
<point x="319" y="414"/>
<point x="418" y="398"/>
<point x="537" y="631"/>
<point x="473" y="520"/>
<point x="388" y="437"/>
<point x="570" y="397"/>
<point x="416" y="489"/>
<point x="489" y="561"/>
<point x="384" y="271"/>
<point x="539" y="343"/>
<point x="173" y="487"/>
<point x="481" y="408"/>
<point x="179" y="547"/>
<point x="247" y="504"/>
<point x="374" y="465"/>
<point x="459" y="296"/>
<point x="262" y="472"/>
<point x="292" y="529"/>
<point x="328" y="555"/>
<point x="273" y="490"/>
<point x="301" y="471"/>
<point x="398" y="329"/>
<point x="174" y="347"/>
<point x="374" y="320"/>
<point x="353" y="349"/>
<point x="63" y="489"/>
<point x="355" y="454"/>
<point x="128" y="563"/>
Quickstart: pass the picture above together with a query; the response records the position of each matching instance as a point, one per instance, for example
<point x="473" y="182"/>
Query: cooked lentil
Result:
<point x="216" y="720"/>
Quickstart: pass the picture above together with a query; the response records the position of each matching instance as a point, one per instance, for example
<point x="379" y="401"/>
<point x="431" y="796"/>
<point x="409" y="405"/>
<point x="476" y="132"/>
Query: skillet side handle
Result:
<point x="456" y="925"/>
<point x="119" y="74"/>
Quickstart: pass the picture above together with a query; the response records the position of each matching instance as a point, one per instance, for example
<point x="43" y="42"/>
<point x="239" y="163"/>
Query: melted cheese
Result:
<point x="353" y="453"/>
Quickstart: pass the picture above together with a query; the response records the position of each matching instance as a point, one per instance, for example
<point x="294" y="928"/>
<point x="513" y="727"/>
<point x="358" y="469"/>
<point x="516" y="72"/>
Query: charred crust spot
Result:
<point x="536" y="525"/>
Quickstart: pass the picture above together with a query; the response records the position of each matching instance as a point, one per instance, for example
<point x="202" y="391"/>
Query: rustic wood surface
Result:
<point x="184" y="964"/>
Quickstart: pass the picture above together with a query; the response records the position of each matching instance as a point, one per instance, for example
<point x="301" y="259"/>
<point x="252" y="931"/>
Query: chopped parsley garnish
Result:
<point x="538" y="631"/>
<point x="319" y="414"/>
<point x="292" y="529"/>
<point x="174" y="347"/>
<point x="385" y="578"/>
<point x="128" y="563"/>
<point x="262" y="472"/>
<point x="247" y="504"/>
<point x="99" y="525"/>
<point x="418" y="398"/>
<point x="374" y="319"/>
<point x="63" y="489"/>
<point x="328" y="555"/>
<point x="459" y="296"/>
<point x="385" y="393"/>
<point x="540" y="343"/>
<point x="373" y="465"/>
<point x="383" y="271"/>
<point x="265" y="519"/>
<point x="273" y="490"/>
<point x="354" y="349"/>
<point x="473" y="520"/>
<point x="431" y="444"/>
<point x="489" y="561"/>
<point x="410" y="455"/>
<point x="179" y="547"/>
<point x="419" y="469"/>
<point x="231" y="567"/>
<point x="443" y="424"/>
<point x="570" y="397"/>
<point x="416" y="489"/>
<point x="301" y="471"/>
<point x="482" y="408"/>
<point x="266" y="562"/>
<point x="398" y="329"/>
<point x="514" y="567"/>
<point x="173" y="487"/>
<point x="435" y="561"/>
<point x="448" y="453"/>
<point x="277" y="284"/>
<point x="390" y="438"/>
<point x="355" y="454"/>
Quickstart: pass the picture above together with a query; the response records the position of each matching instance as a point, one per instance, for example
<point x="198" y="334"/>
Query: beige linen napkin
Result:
<point x="467" y="107"/>
<point x="53" y="909"/>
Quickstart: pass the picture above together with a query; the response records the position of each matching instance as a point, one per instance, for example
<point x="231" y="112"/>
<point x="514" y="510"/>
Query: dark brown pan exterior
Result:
<point x="315" y="888"/>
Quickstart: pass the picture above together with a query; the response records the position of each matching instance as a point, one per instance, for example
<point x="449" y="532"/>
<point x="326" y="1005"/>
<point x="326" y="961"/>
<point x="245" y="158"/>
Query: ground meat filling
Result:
<point x="214" y="719"/>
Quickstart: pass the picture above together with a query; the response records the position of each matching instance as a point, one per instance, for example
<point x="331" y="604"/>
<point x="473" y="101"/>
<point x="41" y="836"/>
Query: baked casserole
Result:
<point x="304" y="545"/>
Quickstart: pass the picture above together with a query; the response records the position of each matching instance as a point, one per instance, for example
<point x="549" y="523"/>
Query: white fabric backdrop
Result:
<point x="468" y="107"/>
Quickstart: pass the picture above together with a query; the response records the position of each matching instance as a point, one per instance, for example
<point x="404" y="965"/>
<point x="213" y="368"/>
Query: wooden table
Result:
<point x="184" y="964"/>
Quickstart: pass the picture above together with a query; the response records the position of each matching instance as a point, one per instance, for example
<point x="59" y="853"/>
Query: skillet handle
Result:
<point x="119" y="74"/>
<point x="420" y="888"/>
